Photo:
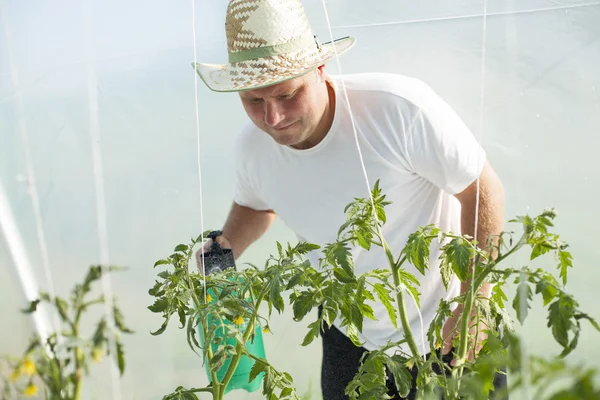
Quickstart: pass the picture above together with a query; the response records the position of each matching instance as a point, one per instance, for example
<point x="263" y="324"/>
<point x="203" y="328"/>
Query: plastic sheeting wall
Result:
<point x="539" y="123"/>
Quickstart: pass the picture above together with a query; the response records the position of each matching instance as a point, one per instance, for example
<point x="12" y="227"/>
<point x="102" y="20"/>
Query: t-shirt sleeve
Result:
<point x="440" y="146"/>
<point x="246" y="188"/>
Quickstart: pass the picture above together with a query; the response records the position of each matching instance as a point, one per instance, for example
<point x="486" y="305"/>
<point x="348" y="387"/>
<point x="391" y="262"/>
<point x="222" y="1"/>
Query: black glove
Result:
<point x="217" y="259"/>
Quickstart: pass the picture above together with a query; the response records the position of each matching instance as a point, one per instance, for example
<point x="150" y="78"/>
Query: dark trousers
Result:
<point x="341" y="360"/>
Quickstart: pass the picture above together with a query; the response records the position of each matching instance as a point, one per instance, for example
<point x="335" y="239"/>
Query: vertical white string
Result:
<point x="479" y="140"/>
<point x="100" y="197"/>
<point x="362" y="163"/>
<point x="31" y="179"/>
<point x="198" y="146"/>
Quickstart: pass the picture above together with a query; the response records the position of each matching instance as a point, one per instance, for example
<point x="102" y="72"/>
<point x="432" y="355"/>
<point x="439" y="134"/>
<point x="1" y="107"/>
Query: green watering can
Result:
<point x="215" y="260"/>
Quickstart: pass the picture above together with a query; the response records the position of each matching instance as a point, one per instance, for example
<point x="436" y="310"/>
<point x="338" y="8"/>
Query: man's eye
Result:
<point x="255" y="101"/>
<point x="287" y="96"/>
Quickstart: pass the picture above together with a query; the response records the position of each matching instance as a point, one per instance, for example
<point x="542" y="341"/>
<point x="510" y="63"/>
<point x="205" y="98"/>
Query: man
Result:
<point x="298" y="159"/>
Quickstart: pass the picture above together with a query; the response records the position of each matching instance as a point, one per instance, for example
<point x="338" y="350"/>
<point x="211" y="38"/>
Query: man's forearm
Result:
<point x="244" y="226"/>
<point x="490" y="215"/>
<point x="488" y="224"/>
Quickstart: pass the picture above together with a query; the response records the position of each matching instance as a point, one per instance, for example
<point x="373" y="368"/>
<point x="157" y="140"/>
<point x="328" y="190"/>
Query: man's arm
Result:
<point x="243" y="227"/>
<point x="490" y="220"/>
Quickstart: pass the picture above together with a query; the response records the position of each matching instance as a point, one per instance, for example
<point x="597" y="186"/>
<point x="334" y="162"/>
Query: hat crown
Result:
<point x="251" y="24"/>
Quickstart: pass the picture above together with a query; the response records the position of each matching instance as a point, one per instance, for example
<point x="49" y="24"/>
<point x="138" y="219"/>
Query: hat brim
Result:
<point x="255" y="74"/>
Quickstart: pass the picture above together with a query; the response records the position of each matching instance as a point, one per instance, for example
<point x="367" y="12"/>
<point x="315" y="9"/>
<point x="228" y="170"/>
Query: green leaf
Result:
<point x="302" y="305"/>
<point x="352" y="334"/>
<point x="305" y="247"/>
<point x="345" y="225"/>
<point x="547" y="287"/>
<point x="181" y="394"/>
<point x="362" y="240"/>
<point x="286" y="393"/>
<point x="576" y="329"/>
<point x="521" y="301"/>
<point x="191" y="333"/>
<point x="296" y="279"/>
<point x="356" y="317"/>
<point x="565" y="261"/>
<point x="366" y="311"/>
<point x="32" y="307"/>
<point x="384" y="296"/>
<point x="313" y="332"/>
<point x="220" y="357"/>
<point x="162" y="327"/>
<point x="211" y="336"/>
<point x="275" y="295"/>
<point x="434" y="333"/>
<point x="120" y="321"/>
<point x="559" y="319"/>
<point x="164" y="274"/>
<point x="527" y="222"/>
<point x="410" y="282"/>
<point x="381" y="215"/>
<point x="343" y="276"/>
<point x="94" y="273"/>
<point x="343" y="257"/>
<point x="63" y="309"/>
<point x="414" y="295"/>
<point x="498" y="295"/>
<point x="417" y="250"/>
<point x="182" y="317"/>
<point x="181" y="248"/>
<point x="120" y="357"/>
<point x="33" y="344"/>
<point x="370" y="381"/>
<point x="460" y="253"/>
<point x="408" y="279"/>
<point x="590" y="319"/>
<point x="401" y="374"/>
<point x="329" y="312"/>
<point x="159" y="305"/>
<point x="99" y="334"/>
<point x="160" y="262"/>
<point x="256" y="370"/>
<point x="156" y="290"/>
<point x="446" y="271"/>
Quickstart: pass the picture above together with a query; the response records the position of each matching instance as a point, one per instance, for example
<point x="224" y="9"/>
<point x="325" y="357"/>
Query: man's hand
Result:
<point x="476" y="333"/>
<point x="223" y="242"/>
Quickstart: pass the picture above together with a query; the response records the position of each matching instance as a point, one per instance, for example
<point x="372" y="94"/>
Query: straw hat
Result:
<point x="268" y="41"/>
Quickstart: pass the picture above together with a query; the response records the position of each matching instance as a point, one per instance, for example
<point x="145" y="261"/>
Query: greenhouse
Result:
<point x="135" y="134"/>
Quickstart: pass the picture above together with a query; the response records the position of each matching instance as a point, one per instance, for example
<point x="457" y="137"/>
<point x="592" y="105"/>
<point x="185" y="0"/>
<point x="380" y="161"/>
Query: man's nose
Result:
<point x="273" y="114"/>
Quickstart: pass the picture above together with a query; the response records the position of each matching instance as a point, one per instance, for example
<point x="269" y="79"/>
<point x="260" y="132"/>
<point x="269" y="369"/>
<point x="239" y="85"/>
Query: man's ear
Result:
<point x="321" y="74"/>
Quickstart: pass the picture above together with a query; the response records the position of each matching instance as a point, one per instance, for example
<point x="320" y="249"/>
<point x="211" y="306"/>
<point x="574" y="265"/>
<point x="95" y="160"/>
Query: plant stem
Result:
<point x="238" y="353"/>
<point x="78" y="373"/>
<point x="466" y="312"/>
<point x="216" y="389"/>
<point x="400" y="300"/>
<point x="208" y="390"/>
<point x="78" y="367"/>
<point x="466" y="316"/>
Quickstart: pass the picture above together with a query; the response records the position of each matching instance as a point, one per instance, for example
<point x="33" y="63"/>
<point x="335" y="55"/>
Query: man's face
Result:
<point x="291" y="111"/>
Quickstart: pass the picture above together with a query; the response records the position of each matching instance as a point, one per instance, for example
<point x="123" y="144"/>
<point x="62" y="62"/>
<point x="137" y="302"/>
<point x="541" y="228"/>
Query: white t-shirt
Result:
<point x="411" y="140"/>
